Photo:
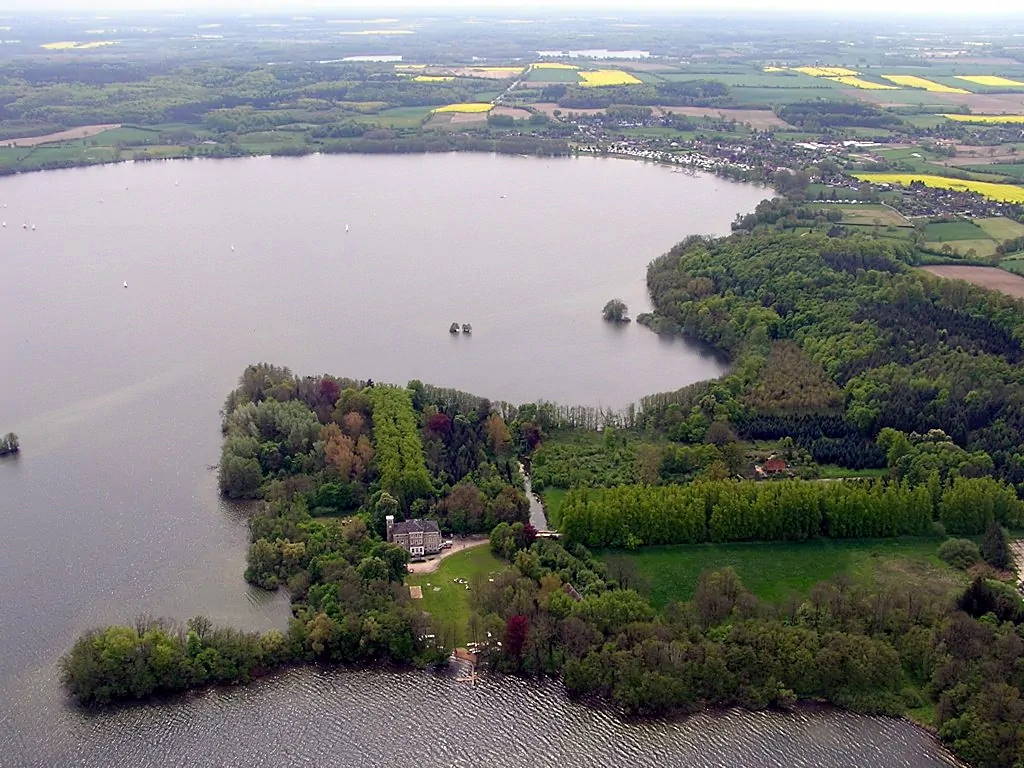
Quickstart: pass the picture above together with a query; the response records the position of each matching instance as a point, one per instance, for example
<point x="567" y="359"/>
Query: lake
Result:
<point x="111" y="509"/>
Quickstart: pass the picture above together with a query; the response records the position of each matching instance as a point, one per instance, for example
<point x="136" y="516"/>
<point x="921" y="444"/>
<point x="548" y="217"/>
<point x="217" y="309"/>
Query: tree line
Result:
<point x="793" y="510"/>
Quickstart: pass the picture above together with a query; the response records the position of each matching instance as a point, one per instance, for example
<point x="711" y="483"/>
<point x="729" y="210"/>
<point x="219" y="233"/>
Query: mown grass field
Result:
<point x="1000" y="227"/>
<point x="448" y="602"/>
<point x="773" y="570"/>
<point x="953" y="230"/>
<point x="868" y="214"/>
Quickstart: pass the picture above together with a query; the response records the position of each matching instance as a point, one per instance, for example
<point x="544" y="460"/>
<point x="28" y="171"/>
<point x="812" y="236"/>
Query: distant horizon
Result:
<point x="867" y="9"/>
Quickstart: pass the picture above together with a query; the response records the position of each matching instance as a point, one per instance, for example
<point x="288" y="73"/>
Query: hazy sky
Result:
<point x="520" y="7"/>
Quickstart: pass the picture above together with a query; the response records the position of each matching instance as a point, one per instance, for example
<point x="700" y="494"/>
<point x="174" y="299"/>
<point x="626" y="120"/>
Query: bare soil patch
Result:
<point x="517" y="112"/>
<point x="987" y="277"/>
<point x="81" y="132"/>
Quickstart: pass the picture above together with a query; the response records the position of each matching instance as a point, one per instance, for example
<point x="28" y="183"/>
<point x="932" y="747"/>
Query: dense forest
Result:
<point x="815" y="315"/>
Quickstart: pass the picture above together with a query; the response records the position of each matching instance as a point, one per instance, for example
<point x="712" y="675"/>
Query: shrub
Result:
<point x="959" y="553"/>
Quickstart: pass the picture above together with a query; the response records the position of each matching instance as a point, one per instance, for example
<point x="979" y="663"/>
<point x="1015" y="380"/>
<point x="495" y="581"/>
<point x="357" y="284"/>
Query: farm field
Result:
<point x="448" y="602"/>
<point x="1010" y="193"/>
<point x="990" y="80"/>
<point x="913" y="81"/>
<point x="981" y="247"/>
<point x="868" y="214"/>
<point x="470" y="107"/>
<point x="987" y="277"/>
<point x="552" y="75"/>
<point x="602" y="77"/>
<point x="867" y="85"/>
<point x="1001" y="228"/>
<point x="998" y="119"/>
<point x="945" y="231"/>
<point x="773" y="570"/>
<point x="1013" y="170"/>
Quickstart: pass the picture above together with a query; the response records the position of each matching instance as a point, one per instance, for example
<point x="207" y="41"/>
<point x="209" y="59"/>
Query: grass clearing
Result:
<point x="553" y="499"/>
<point x="448" y="602"/>
<point x="1008" y="193"/>
<point x="773" y="570"/>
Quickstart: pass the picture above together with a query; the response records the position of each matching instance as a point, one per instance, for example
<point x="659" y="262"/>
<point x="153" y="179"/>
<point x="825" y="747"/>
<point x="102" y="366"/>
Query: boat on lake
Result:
<point x="467" y="328"/>
<point x="453" y="328"/>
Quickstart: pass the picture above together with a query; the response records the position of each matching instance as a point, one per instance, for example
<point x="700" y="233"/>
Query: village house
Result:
<point x="417" y="537"/>
<point x="773" y="467"/>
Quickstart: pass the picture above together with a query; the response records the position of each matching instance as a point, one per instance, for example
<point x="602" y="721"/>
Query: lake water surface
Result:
<point x="111" y="510"/>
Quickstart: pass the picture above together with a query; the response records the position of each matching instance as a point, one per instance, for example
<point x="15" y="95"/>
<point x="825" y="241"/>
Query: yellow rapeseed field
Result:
<point x="1007" y="193"/>
<point x="913" y="81"/>
<point x="553" y="65"/>
<point x="987" y="118"/>
<point x="467" y="107"/>
<point x="826" y="71"/>
<point x="65" y="45"/>
<point x="599" y="77"/>
<point x="992" y="80"/>
<point x="432" y="78"/>
<point x="867" y="85"/>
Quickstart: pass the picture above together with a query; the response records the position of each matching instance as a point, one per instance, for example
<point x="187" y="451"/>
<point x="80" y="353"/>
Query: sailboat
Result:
<point x="346" y="227"/>
<point x="125" y="283"/>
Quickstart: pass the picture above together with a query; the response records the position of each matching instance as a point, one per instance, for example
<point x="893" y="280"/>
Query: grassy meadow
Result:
<point x="774" y="570"/>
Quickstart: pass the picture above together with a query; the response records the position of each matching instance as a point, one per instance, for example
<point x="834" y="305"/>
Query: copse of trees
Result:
<point x="400" y="460"/>
<point x="728" y="510"/>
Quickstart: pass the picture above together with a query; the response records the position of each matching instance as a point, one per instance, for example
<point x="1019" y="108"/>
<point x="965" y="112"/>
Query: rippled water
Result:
<point x="372" y="718"/>
<point x="111" y="510"/>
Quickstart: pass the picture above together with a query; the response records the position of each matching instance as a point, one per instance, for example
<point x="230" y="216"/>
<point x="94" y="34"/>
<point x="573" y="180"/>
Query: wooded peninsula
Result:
<point x="867" y="401"/>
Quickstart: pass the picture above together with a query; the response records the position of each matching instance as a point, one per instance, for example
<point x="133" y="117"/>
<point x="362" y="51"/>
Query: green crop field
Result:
<point x="1013" y="170"/>
<point x="553" y="76"/>
<point x="954" y="230"/>
<point x="761" y="80"/>
<point x="448" y="602"/>
<point x="774" y="570"/>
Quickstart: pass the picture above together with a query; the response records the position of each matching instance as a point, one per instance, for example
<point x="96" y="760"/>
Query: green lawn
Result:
<point x="553" y="499"/>
<point x="981" y="247"/>
<point x="772" y="570"/>
<point x="448" y="602"/>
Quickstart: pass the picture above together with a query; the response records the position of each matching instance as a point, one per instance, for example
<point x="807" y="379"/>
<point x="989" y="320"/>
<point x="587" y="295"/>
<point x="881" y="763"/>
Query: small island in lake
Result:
<point x="9" y="444"/>
<point x="615" y="311"/>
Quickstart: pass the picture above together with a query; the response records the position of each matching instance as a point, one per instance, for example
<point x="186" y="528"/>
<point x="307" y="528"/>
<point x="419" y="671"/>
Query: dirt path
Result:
<point x="429" y="566"/>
